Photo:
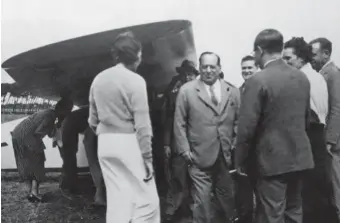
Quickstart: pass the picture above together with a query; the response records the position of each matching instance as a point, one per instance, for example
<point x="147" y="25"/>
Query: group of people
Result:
<point x="279" y="132"/>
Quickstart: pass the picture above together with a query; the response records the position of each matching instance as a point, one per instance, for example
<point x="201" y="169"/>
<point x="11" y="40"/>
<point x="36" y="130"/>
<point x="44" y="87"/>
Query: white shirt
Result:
<point x="318" y="92"/>
<point x="216" y="88"/>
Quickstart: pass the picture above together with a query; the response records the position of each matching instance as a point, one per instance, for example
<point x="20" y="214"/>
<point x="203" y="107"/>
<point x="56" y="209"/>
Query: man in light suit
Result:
<point x="322" y="50"/>
<point x="205" y="128"/>
<point x="272" y="127"/>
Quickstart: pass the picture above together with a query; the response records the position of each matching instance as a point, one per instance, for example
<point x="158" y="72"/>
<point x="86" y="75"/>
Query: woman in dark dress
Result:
<point x="28" y="145"/>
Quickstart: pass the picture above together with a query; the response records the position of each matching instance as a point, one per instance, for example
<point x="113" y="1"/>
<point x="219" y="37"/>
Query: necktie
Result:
<point x="213" y="96"/>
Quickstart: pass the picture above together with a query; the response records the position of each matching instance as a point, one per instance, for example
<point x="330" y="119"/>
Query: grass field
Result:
<point x="56" y="208"/>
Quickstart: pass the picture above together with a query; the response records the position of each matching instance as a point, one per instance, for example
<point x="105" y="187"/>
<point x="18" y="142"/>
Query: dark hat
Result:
<point x="187" y="66"/>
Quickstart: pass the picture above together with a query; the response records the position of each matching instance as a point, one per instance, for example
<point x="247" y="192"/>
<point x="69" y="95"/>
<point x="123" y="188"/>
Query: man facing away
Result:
<point x="272" y="128"/>
<point x="205" y="128"/>
<point x="322" y="51"/>
<point x="315" y="193"/>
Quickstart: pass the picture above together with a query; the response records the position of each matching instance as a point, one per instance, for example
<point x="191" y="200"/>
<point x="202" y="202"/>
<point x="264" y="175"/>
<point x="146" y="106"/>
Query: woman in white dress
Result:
<point x="119" y="114"/>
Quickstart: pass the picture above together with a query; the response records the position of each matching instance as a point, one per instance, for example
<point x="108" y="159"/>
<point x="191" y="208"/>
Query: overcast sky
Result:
<point x="223" y="26"/>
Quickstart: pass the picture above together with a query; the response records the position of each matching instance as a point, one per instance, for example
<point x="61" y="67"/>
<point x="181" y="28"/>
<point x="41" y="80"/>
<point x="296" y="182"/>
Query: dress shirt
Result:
<point x="216" y="88"/>
<point x="318" y="92"/>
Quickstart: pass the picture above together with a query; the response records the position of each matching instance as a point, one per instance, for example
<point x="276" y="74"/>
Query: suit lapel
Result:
<point x="225" y="94"/>
<point x="203" y="95"/>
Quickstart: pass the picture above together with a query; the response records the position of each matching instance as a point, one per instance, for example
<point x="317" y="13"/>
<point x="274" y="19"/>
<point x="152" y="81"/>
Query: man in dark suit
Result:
<point x="272" y="127"/>
<point x="244" y="185"/>
<point x="205" y="129"/>
<point x="322" y="50"/>
<point x="71" y="126"/>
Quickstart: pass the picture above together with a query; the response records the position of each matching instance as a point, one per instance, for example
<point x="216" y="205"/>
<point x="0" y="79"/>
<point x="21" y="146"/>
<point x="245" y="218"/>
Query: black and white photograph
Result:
<point x="170" y="111"/>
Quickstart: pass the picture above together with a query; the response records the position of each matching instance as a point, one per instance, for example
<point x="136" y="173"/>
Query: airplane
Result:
<point x="67" y="68"/>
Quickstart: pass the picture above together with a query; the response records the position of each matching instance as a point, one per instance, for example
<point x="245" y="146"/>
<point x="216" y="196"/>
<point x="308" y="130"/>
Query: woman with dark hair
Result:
<point x="28" y="145"/>
<point x="119" y="114"/>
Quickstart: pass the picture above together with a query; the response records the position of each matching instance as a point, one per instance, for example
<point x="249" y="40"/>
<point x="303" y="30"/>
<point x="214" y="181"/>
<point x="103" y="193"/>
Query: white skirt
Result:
<point x="129" y="198"/>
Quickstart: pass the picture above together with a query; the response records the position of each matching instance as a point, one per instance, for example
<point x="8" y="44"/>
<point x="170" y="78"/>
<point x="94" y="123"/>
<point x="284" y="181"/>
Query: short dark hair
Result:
<point x="324" y="43"/>
<point x="301" y="48"/>
<point x="125" y="48"/>
<point x="210" y="53"/>
<point x="270" y="40"/>
<point x="65" y="103"/>
<point x="247" y="58"/>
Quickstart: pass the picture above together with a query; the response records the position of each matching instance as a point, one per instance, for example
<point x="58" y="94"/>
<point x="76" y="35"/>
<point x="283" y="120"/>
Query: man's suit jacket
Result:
<point x="241" y="88"/>
<point x="273" y="119"/>
<point x="332" y="75"/>
<point x="203" y="128"/>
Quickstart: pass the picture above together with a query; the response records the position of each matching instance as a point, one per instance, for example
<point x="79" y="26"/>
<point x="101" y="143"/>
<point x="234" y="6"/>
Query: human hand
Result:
<point x="167" y="151"/>
<point x="240" y="171"/>
<point x="188" y="158"/>
<point x="329" y="148"/>
<point x="149" y="171"/>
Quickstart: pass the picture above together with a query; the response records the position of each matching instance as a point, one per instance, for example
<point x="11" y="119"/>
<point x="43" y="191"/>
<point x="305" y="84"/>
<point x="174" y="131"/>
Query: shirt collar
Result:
<point x="326" y="64"/>
<point x="269" y="61"/>
<point x="215" y="85"/>
<point x="306" y="67"/>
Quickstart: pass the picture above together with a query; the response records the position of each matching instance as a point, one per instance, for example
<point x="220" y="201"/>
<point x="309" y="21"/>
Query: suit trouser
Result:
<point x="334" y="174"/>
<point x="68" y="153"/>
<point x="159" y="160"/>
<point x="244" y="195"/>
<point x="316" y="185"/>
<point x="244" y="198"/>
<point x="280" y="198"/>
<point x="214" y="179"/>
<point x="178" y="193"/>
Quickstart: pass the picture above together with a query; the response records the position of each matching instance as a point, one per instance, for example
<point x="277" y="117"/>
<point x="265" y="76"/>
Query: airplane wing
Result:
<point x="68" y="67"/>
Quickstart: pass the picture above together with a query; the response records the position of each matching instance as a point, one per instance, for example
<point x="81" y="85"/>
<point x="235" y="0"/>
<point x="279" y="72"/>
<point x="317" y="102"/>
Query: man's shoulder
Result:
<point x="233" y="89"/>
<point x="229" y="84"/>
<point x="189" y="85"/>
<point x="334" y="70"/>
<point x="258" y="79"/>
